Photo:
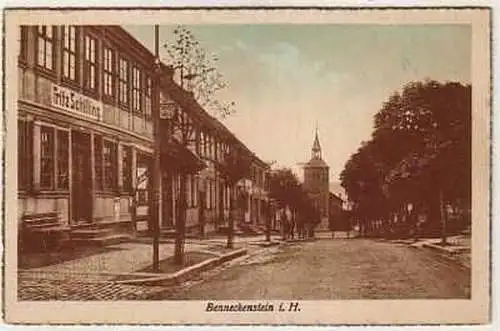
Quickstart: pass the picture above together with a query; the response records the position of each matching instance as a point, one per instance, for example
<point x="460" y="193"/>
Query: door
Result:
<point x="82" y="178"/>
<point x="167" y="206"/>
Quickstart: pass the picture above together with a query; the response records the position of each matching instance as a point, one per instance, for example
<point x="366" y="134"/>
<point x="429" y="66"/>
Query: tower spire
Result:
<point x="316" y="148"/>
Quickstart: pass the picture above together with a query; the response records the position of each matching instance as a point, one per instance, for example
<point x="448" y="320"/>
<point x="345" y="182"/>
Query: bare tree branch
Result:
<point x="195" y="70"/>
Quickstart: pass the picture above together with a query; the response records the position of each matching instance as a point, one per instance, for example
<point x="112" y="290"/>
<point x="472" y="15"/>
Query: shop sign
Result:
<point x="75" y="102"/>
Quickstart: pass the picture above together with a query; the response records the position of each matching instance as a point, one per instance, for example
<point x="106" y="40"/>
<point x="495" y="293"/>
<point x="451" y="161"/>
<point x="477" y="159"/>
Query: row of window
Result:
<point x="257" y="176"/>
<point x="54" y="160"/>
<point x="54" y="166"/>
<point x="122" y="79"/>
<point x="211" y="195"/>
<point x="211" y="148"/>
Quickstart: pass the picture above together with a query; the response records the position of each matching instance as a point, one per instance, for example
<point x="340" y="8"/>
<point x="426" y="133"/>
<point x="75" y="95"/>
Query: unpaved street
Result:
<point x="335" y="269"/>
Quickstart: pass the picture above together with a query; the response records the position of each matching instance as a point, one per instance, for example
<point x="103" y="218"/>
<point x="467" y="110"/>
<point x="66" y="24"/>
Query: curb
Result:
<point x="265" y="243"/>
<point x="445" y="254"/>
<point x="444" y="250"/>
<point x="292" y="241"/>
<point x="184" y="274"/>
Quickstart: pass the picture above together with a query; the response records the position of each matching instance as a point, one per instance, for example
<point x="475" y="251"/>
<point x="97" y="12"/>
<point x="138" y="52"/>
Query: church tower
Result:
<point x="316" y="182"/>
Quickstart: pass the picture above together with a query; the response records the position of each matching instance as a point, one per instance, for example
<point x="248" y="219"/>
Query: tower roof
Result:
<point x="316" y="145"/>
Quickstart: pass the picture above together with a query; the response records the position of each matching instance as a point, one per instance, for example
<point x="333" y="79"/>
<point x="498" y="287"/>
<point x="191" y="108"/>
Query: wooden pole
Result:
<point x="156" y="174"/>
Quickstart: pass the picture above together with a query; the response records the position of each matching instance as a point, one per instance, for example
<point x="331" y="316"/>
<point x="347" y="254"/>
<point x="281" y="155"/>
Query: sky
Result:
<point x="286" y="79"/>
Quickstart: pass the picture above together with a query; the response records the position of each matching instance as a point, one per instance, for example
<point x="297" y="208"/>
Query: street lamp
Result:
<point x="168" y="111"/>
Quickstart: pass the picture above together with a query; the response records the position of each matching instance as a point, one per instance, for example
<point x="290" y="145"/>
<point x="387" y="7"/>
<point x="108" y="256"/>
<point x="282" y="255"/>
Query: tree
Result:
<point x="195" y="70"/>
<point x="236" y="165"/>
<point x="362" y="179"/>
<point x="419" y="154"/>
<point x="286" y="189"/>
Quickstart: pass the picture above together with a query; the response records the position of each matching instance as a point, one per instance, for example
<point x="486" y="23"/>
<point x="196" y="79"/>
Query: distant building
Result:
<point x="316" y="182"/>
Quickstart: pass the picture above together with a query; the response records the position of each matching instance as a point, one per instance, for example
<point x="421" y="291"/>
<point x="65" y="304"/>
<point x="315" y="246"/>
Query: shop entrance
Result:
<point x="167" y="201"/>
<point x="82" y="178"/>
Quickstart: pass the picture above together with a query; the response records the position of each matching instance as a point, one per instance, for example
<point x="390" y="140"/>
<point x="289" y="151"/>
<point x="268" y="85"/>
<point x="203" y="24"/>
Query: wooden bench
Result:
<point x="41" y="232"/>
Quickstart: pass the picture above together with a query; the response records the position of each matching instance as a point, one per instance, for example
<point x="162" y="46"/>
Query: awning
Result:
<point x="176" y="157"/>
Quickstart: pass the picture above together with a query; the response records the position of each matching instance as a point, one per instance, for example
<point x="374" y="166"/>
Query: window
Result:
<point x="109" y="165"/>
<point x="98" y="161"/>
<point x="127" y="168"/>
<point x="69" y="52"/>
<point x="147" y="98"/>
<point x="192" y="191"/>
<point x="123" y="82"/>
<point x="136" y="90"/>
<point x="202" y="144"/>
<point x="205" y="145"/>
<point x="90" y="63"/>
<point x="212" y="147"/>
<point x="62" y="159"/>
<point x="45" y="58"/>
<point x="22" y="42"/>
<point x="46" y="157"/>
<point x="142" y="165"/>
<point x="24" y="154"/>
<point x="109" y="72"/>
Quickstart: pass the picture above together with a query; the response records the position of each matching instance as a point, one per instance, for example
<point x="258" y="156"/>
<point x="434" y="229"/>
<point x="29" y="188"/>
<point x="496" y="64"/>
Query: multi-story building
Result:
<point x="316" y="183"/>
<point x="86" y="95"/>
<point x="84" y="122"/>
<point x="257" y="209"/>
<point x="208" y="193"/>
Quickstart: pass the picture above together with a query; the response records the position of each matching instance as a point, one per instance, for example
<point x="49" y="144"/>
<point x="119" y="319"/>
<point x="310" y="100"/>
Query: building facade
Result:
<point x="85" y="135"/>
<point x="208" y="191"/>
<point x="316" y="183"/>
<point x="84" y="122"/>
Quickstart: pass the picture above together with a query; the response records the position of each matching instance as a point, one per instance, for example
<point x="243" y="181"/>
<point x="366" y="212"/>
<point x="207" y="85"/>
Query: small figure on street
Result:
<point x="301" y="226"/>
<point x="289" y="223"/>
<point x="284" y="224"/>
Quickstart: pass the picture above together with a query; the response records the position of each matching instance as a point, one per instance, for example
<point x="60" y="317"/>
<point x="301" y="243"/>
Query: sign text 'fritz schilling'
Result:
<point x="75" y="102"/>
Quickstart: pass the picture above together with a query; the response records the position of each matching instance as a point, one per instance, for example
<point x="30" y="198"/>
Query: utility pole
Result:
<point x="156" y="174"/>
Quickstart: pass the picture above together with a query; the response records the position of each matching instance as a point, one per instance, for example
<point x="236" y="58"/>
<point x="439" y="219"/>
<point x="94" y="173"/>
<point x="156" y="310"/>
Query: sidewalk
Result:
<point x="125" y="258"/>
<point x="458" y="248"/>
<point x="136" y="255"/>
<point x="117" y="272"/>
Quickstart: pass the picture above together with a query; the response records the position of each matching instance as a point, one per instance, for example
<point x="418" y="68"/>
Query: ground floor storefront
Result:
<point x="90" y="179"/>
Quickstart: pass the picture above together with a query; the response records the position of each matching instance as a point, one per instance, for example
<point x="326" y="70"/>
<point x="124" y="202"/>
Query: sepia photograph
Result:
<point x="247" y="166"/>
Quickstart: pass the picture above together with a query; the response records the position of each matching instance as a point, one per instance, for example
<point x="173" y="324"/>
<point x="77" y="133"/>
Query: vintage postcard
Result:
<point x="257" y="166"/>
